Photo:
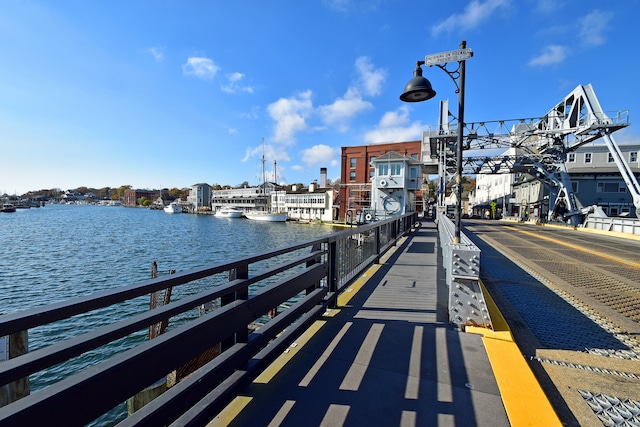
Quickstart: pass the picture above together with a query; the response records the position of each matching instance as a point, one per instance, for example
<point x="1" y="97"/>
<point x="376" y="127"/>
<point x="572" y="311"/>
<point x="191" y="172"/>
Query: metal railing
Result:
<point x="264" y="302"/>
<point x="618" y="224"/>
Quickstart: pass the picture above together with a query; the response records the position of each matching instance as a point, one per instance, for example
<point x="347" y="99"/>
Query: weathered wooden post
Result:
<point x="12" y="346"/>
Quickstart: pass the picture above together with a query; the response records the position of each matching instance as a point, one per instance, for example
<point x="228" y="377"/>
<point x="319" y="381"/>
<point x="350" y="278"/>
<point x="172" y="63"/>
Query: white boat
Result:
<point x="8" y="207"/>
<point x="228" y="212"/>
<point x="267" y="216"/>
<point x="173" y="207"/>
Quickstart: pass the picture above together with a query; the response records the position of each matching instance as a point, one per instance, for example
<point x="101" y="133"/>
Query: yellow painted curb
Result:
<point x="523" y="398"/>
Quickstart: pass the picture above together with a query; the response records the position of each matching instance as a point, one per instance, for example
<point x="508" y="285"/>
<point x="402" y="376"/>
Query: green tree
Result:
<point x="120" y="191"/>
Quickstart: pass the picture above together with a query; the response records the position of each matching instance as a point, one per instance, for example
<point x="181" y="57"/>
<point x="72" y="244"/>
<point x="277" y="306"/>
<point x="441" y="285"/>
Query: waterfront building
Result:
<point x="492" y="196"/>
<point x="131" y="196"/>
<point x="311" y="204"/>
<point x="200" y="197"/>
<point x="357" y="173"/>
<point x="396" y="180"/>
<point x="595" y="180"/>
<point x="245" y="199"/>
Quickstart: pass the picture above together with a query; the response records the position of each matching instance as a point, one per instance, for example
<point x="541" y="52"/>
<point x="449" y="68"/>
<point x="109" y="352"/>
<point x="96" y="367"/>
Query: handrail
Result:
<point x="306" y="277"/>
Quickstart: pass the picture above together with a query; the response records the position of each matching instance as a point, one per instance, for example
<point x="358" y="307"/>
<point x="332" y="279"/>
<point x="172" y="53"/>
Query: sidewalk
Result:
<point x="387" y="357"/>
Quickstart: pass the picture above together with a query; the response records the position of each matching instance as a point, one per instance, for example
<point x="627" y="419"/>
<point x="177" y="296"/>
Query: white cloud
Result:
<point x="550" y="55"/>
<point x="157" y="53"/>
<point x="233" y="84"/>
<point x="356" y="6"/>
<point x="270" y="152"/>
<point x="371" y="79"/>
<point x="290" y="115"/>
<point x="339" y="5"/>
<point x="474" y="14"/>
<point x="320" y="155"/>
<point x="200" y="67"/>
<point x="343" y="109"/>
<point x="395" y="126"/>
<point x="593" y="26"/>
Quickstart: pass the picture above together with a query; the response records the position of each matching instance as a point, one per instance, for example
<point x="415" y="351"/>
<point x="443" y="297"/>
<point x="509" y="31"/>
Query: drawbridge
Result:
<point x="536" y="146"/>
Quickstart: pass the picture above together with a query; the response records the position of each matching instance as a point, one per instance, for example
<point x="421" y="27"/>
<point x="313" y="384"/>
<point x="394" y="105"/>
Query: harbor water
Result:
<point x="58" y="252"/>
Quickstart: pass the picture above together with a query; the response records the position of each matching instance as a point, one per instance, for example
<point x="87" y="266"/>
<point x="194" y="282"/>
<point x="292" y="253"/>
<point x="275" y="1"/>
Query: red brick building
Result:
<point x="356" y="171"/>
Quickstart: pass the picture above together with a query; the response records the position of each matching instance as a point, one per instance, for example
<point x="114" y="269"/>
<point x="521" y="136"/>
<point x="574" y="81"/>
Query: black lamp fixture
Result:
<point x="418" y="88"/>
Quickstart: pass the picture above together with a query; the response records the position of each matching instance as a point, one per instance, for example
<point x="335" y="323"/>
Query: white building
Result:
<point x="200" y="196"/>
<point x="310" y="204"/>
<point x="245" y="199"/>
<point x="394" y="185"/>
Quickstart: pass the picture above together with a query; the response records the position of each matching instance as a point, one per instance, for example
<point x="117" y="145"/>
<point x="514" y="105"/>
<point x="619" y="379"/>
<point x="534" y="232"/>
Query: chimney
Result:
<point x="323" y="177"/>
<point x="312" y="187"/>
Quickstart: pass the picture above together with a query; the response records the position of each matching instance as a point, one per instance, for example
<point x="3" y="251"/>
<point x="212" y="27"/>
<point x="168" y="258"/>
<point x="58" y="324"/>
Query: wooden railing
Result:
<point x="263" y="303"/>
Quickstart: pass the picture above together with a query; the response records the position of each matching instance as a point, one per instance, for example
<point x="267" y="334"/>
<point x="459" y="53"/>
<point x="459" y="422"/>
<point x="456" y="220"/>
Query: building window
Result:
<point x="413" y="174"/>
<point x="610" y="158"/>
<point x="372" y="173"/>
<point x="352" y="176"/>
<point x="571" y="158"/>
<point x="633" y="156"/>
<point x="383" y="169"/>
<point x="415" y="156"/>
<point x="574" y="186"/>
<point x="352" y="162"/>
<point x="371" y="159"/>
<point x="395" y="169"/>
<point x="609" y="187"/>
<point x="587" y="157"/>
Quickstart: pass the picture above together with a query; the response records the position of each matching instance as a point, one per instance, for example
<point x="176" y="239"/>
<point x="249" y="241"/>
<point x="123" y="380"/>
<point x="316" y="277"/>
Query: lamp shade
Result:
<point x="418" y="89"/>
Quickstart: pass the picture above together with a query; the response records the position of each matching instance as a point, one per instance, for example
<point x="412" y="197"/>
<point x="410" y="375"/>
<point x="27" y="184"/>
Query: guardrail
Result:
<point x="467" y="305"/>
<point x="263" y="303"/>
<point x="620" y="225"/>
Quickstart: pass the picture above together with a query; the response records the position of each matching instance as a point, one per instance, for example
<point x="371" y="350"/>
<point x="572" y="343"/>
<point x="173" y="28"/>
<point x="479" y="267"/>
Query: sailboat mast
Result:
<point x="275" y="179"/>
<point x="264" y="177"/>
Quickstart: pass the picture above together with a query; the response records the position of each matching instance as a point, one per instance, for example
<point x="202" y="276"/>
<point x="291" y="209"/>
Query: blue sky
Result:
<point x="172" y="93"/>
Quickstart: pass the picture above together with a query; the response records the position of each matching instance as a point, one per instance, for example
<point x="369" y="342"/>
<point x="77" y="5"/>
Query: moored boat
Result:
<point x="173" y="207"/>
<point x="228" y="212"/>
<point x="267" y="216"/>
<point x="8" y="207"/>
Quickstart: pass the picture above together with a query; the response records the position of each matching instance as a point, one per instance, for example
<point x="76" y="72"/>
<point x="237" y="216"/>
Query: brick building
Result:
<point x="131" y="196"/>
<point x="356" y="173"/>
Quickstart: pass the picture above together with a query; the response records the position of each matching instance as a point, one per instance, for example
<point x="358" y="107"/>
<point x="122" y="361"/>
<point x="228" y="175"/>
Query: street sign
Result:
<point x="451" y="56"/>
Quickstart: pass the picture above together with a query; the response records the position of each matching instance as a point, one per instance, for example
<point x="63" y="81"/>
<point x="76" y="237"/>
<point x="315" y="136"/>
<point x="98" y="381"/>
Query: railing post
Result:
<point x="14" y="345"/>
<point x="378" y="245"/>
<point x="241" y="334"/>
<point x="332" y="275"/>
<point x="316" y="260"/>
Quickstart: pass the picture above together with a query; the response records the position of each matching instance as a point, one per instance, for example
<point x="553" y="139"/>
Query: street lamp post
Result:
<point x="419" y="89"/>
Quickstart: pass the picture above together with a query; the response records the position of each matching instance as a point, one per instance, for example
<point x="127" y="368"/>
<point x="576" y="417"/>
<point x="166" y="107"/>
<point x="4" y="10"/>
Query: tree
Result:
<point x="121" y="190"/>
